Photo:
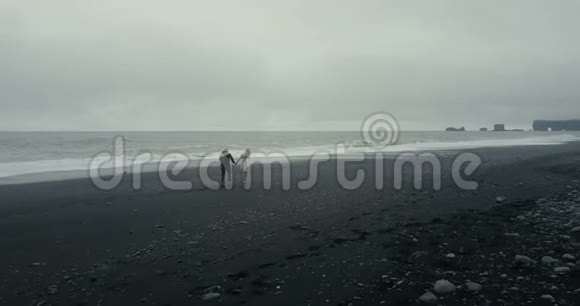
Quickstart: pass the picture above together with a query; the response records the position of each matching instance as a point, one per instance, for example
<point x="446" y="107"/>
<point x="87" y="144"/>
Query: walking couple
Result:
<point x="226" y="157"/>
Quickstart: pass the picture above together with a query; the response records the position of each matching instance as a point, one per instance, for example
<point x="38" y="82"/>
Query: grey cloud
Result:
<point x="142" y="65"/>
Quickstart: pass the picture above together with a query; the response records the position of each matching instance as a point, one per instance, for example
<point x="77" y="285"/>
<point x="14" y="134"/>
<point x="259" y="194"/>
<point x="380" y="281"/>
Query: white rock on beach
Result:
<point x="443" y="287"/>
<point x="576" y="229"/>
<point x="500" y="199"/>
<point x="525" y="260"/>
<point x="428" y="297"/>
<point x="547" y="297"/>
<point x="569" y="257"/>
<point x="473" y="287"/>
<point x="549" y="260"/>
<point x="561" y="269"/>
<point x="210" y="296"/>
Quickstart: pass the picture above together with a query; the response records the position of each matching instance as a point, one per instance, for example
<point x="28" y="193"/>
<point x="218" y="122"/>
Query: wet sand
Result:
<point x="68" y="243"/>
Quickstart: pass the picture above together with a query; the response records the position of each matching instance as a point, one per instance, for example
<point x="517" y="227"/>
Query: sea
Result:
<point x="26" y="153"/>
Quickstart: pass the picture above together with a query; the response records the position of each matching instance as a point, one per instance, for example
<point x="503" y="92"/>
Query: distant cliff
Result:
<point x="452" y="129"/>
<point x="557" y="125"/>
<point x="499" y="127"/>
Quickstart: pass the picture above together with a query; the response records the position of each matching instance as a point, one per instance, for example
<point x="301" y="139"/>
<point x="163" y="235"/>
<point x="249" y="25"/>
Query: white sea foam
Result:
<point x="485" y="143"/>
<point x="56" y="169"/>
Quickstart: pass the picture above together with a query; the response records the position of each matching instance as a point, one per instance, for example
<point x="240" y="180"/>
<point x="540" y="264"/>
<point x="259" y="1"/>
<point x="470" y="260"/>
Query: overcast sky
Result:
<point x="256" y="65"/>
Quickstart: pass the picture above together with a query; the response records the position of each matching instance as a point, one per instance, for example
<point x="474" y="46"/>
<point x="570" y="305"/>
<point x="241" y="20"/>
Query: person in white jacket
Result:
<point x="244" y="164"/>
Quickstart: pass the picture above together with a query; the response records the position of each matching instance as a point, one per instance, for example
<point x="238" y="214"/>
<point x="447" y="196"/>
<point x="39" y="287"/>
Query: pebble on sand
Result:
<point x="210" y="296"/>
<point x="52" y="290"/>
<point x="443" y="286"/>
<point x="547" y="297"/>
<point x="561" y="269"/>
<point x="549" y="260"/>
<point x="500" y="199"/>
<point x="568" y="257"/>
<point x="417" y="254"/>
<point x="525" y="260"/>
<point x="473" y="287"/>
<point x="428" y="297"/>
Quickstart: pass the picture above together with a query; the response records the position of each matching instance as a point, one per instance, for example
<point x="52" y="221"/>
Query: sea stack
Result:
<point x="452" y="129"/>
<point x="557" y="125"/>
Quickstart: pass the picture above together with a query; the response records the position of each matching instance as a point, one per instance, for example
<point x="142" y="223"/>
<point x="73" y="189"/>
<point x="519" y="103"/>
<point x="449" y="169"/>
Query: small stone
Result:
<point x="35" y="264"/>
<point x="500" y="199"/>
<point x="210" y="296"/>
<point x="417" y="254"/>
<point x="562" y="269"/>
<point x="576" y="229"/>
<point x="549" y="260"/>
<point x="52" y="290"/>
<point x="159" y="226"/>
<point x="428" y="297"/>
<point x="473" y="287"/>
<point x="547" y="297"/>
<point x="215" y="288"/>
<point x="299" y="227"/>
<point x="525" y="260"/>
<point x="101" y="267"/>
<point x="443" y="287"/>
<point x="568" y="257"/>
<point x="450" y="255"/>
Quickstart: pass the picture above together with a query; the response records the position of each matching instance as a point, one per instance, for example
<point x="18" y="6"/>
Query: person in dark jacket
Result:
<point x="225" y="159"/>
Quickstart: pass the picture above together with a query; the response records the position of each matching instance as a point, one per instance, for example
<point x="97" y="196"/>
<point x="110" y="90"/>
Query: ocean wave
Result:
<point x="10" y="169"/>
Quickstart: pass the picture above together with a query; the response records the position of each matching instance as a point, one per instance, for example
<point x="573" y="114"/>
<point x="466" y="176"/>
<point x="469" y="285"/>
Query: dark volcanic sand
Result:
<point x="67" y="243"/>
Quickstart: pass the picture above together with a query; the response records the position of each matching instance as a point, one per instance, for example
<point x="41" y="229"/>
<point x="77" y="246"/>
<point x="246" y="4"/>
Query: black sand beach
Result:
<point x="68" y="243"/>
